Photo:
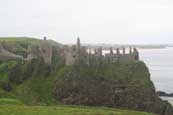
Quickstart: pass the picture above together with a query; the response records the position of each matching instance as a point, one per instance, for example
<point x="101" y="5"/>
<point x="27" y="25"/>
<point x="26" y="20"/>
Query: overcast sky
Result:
<point x="94" y="21"/>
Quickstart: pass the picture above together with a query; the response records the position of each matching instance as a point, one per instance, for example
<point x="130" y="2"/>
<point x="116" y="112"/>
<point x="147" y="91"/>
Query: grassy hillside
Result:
<point x="19" y="39"/>
<point x="119" y="85"/>
<point x="19" y="45"/>
<point x="9" y="101"/>
<point x="6" y="94"/>
<point x="25" y="40"/>
<point x="37" y="90"/>
<point x="64" y="110"/>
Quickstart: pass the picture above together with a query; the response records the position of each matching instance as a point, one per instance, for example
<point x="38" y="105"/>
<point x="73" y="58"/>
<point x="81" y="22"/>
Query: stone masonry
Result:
<point x="79" y="52"/>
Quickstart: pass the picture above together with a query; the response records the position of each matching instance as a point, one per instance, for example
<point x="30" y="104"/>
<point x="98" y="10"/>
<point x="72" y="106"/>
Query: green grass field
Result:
<point x="63" y="110"/>
<point x="10" y="106"/>
<point x="9" y="101"/>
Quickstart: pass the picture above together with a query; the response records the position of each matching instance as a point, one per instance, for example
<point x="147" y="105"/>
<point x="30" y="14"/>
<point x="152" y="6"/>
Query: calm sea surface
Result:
<point x="160" y="64"/>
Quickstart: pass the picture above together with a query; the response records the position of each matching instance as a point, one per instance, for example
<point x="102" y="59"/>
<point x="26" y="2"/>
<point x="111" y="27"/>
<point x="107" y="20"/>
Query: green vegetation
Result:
<point x="35" y="88"/>
<point x="18" y="39"/>
<point x="5" y="94"/>
<point x="19" y="45"/>
<point x="9" y="101"/>
<point x="37" y="91"/>
<point x="106" y="84"/>
<point x="125" y="85"/>
<point x="64" y="110"/>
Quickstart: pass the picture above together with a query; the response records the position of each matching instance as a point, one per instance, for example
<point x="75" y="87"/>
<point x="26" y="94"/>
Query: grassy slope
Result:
<point x="25" y="40"/>
<point x="38" y="90"/>
<point x="15" y="107"/>
<point x="18" y="39"/>
<point x="4" y="94"/>
<point x="10" y="101"/>
<point x="63" y="110"/>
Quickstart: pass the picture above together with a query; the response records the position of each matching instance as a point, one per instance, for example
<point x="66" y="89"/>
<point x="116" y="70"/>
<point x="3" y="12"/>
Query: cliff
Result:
<point x="120" y="85"/>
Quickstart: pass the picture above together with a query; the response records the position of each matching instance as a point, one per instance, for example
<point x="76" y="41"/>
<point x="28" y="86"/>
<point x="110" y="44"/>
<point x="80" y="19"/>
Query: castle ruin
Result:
<point x="44" y="50"/>
<point x="79" y="52"/>
<point x="76" y="52"/>
<point x="71" y="54"/>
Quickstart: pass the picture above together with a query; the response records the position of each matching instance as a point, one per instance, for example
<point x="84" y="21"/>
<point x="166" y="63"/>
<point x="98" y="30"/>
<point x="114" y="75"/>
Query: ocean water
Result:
<point x="160" y="64"/>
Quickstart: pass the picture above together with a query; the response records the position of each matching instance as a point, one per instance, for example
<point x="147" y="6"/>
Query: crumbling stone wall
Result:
<point x="44" y="50"/>
<point x="80" y="53"/>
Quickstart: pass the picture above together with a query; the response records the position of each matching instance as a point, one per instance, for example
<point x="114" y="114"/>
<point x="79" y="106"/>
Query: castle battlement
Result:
<point x="78" y="52"/>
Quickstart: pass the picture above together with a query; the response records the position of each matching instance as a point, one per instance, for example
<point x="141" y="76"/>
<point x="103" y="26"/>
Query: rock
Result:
<point x="119" y="85"/>
<point x="164" y="94"/>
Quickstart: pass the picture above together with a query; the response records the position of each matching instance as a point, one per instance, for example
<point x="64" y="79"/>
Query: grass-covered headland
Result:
<point x="36" y="88"/>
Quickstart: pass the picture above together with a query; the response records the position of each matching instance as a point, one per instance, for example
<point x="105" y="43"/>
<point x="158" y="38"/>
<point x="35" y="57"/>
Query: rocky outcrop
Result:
<point x="164" y="94"/>
<point x="119" y="85"/>
<point x="6" y="55"/>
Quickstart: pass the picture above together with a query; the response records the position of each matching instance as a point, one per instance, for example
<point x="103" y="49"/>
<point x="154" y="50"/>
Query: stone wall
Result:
<point x="131" y="56"/>
<point x="81" y="53"/>
<point x="78" y="52"/>
<point x="69" y="54"/>
<point x="44" y="50"/>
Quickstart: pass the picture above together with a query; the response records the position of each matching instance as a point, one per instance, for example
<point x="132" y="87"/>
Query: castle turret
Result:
<point x="78" y="43"/>
<point x="111" y="51"/>
<point x="124" y="50"/>
<point x="100" y="51"/>
<point x="136" y="54"/>
<point x="44" y="38"/>
<point x="95" y="51"/>
<point x="118" y="51"/>
<point x="46" y="50"/>
<point x="130" y="50"/>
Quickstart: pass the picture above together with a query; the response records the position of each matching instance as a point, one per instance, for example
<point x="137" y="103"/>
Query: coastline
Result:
<point x="169" y="99"/>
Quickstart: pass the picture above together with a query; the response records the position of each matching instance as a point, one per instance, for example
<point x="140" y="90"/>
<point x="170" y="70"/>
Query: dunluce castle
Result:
<point x="75" y="52"/>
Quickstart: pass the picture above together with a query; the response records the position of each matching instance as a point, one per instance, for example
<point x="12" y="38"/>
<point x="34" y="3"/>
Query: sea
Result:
<point x="160" y="64"/>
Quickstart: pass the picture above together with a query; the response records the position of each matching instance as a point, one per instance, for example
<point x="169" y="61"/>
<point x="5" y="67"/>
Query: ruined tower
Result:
<point x="118" y="51"/>
<point x="111" y="51"/>
<point x="124" y="51"/>
<point x="43" y="49"/>
<point x="130" y="50"/>
<point x="78" y="43"/>
<point x="73" y="53"/>
<point x="136" y="54"/>
<point x="46" y="50"/>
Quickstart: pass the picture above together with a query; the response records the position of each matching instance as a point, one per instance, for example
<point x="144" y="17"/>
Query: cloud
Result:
<point x="95" y="21"/>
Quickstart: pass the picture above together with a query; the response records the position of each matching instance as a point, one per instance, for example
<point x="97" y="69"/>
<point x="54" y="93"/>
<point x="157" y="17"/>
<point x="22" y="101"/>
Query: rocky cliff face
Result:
<point x="120" y="85"/>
